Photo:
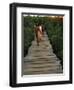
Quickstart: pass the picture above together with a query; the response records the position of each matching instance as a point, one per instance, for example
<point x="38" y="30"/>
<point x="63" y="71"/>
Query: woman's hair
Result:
<point x="38" y="24"/>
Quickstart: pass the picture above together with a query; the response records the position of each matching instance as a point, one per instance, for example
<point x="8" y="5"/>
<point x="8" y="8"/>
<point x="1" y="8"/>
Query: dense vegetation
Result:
<point x="54" y="29"/>
<point x="28" y="33"/>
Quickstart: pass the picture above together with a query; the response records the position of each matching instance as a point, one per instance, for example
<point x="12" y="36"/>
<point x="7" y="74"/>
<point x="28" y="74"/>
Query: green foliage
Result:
<point x="28" y="33"/>
<point x="55" y="34"/>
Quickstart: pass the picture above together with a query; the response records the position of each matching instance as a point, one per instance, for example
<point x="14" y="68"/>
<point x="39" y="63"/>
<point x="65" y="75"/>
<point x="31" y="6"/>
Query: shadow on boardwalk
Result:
<point x="41" y="59"/>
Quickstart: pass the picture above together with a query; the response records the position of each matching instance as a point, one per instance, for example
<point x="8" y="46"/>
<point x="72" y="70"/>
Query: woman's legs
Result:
<point x="37" y="39"/>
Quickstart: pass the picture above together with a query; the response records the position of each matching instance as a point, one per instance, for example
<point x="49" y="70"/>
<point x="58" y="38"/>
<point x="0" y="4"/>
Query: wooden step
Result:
<point x="42" y="70"/>
<point x="43" y="65"/>
<point x="41" y="61"/>
<point x="50" y="57"/>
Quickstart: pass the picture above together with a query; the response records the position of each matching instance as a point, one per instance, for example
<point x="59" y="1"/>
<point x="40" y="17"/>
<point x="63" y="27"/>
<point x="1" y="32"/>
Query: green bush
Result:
<point x="55" y="34"/>
<point x="28" y="33"/>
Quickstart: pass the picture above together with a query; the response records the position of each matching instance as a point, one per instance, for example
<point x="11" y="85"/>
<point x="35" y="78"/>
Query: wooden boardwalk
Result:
<point x="41" y="59"/>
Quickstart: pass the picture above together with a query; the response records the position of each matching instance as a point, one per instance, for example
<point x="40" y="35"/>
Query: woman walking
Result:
<point x="38" y="33"/>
